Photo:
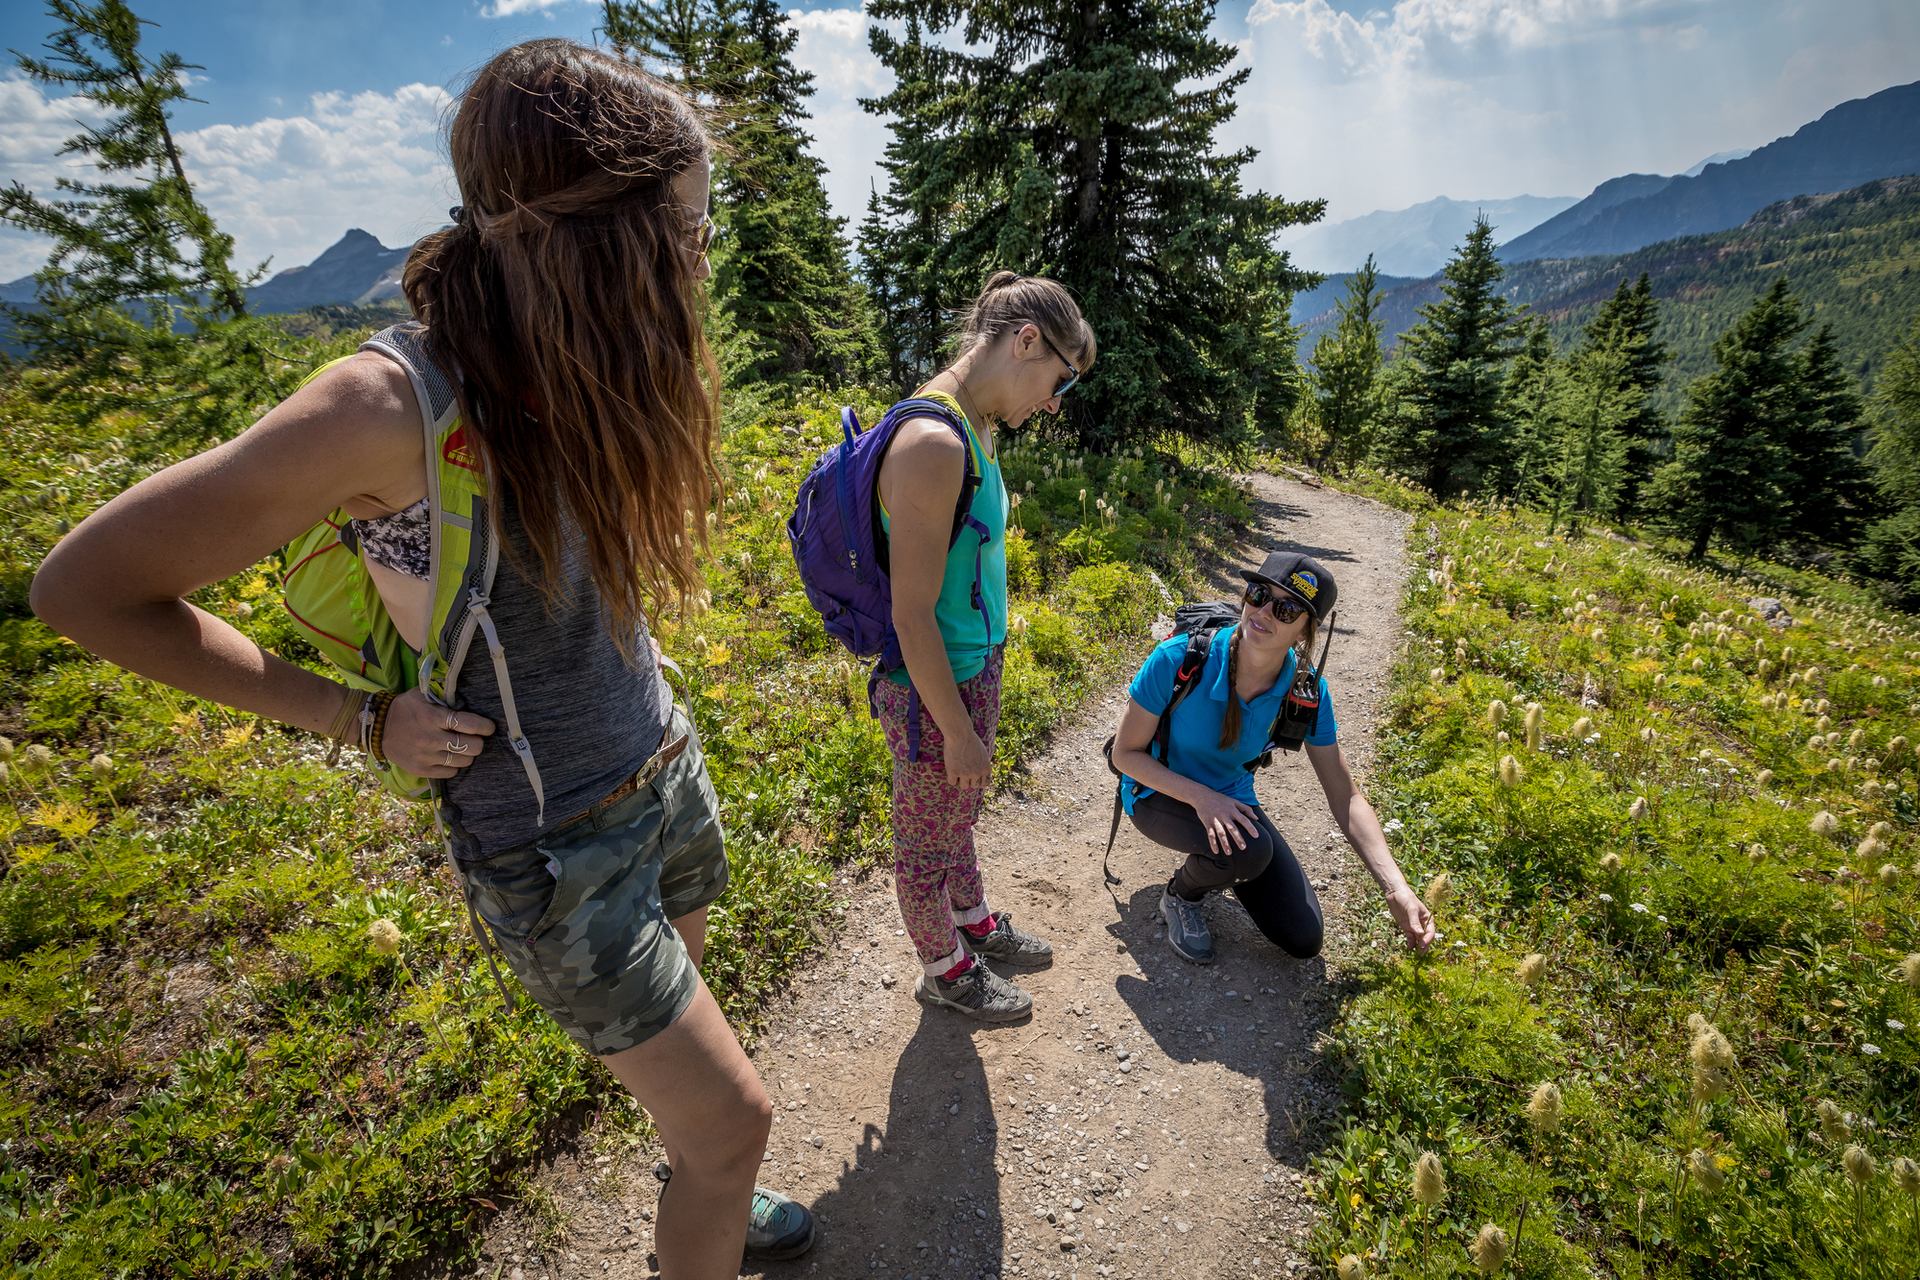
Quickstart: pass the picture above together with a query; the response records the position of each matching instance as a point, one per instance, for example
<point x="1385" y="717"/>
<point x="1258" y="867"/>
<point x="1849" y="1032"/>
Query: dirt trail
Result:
<point x="1152" y="1119"/>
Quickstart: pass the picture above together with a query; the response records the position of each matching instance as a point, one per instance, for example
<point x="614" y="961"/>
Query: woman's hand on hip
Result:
<point x="1413" y="917"/>
<point x="1226" y="821"/>
<point x="431" y="741"/>
<point x="968" y="761"/>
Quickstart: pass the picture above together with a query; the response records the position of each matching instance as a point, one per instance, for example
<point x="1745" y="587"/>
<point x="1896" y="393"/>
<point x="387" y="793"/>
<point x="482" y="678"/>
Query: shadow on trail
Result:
<point x="925" y="1177"/>
<point x="1273" y="513"/>
<point x="1256" y="1011"/>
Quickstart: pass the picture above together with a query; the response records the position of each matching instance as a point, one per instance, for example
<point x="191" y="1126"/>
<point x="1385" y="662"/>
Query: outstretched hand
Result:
<point x="1413" y="917"/>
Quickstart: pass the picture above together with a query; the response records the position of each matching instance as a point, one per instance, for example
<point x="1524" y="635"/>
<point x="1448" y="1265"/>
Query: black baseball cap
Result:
<point x="1300" y="576"/>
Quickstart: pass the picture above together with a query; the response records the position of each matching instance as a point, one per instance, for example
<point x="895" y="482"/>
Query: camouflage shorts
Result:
<point x="582" y="914"/>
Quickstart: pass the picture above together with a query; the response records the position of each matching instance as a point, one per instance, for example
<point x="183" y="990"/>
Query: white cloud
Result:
<point x="514" y="8"/>
<point x="283" y="187"/>
<point x="849" y="141"/>
<point x="1482" y="99"/>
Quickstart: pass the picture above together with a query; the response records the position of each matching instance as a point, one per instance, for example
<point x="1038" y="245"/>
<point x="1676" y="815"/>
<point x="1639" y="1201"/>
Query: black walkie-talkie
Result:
<point x="1300" y="709"/>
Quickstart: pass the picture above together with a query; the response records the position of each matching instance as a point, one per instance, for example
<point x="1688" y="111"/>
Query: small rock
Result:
<point x="887" y="980"/>
<point x="816" y="1140"/>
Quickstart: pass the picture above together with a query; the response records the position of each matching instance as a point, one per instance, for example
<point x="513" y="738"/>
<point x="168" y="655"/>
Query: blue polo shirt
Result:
<point x="1194" y="738"/>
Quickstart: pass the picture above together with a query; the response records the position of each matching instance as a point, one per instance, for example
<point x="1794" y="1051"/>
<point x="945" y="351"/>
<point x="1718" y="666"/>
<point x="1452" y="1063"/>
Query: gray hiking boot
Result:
<point x="777" y="1228"/>
<point x="979" y="993"/>
<point x="1010" y="946"/>
<point x="1187" y="931"/>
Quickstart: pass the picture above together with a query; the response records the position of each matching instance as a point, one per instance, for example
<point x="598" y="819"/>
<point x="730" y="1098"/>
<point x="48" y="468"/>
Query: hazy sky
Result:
<point x="317" y="118"/>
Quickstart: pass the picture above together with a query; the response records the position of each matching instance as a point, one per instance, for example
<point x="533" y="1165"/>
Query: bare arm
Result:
<point x="920" y="483"/>
<point x="117" y="584"/>
<point x="1362" y="828"/>
<point x="1222" y="817"/>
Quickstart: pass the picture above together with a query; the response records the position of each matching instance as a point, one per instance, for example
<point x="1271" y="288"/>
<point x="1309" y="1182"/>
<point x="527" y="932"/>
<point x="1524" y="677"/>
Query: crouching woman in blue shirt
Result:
<point x="1200" y="801"/>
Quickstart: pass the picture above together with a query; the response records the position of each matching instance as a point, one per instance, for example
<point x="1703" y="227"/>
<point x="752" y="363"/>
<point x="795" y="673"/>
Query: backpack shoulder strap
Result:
<point x="1192" y="663"/>
<point x="972" y="470"/>
<point x="1185" y="677"/>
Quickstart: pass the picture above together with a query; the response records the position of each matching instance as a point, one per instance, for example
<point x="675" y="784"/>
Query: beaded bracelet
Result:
<point x="375" y="720"/>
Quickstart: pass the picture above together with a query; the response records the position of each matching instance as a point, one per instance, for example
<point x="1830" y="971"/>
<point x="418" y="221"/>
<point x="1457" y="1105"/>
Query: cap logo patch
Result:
<point x="1305" y="582"/>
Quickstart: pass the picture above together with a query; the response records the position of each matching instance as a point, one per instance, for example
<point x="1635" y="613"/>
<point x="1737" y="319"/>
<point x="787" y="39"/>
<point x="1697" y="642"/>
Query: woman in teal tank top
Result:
<point x="1022" y="346"/>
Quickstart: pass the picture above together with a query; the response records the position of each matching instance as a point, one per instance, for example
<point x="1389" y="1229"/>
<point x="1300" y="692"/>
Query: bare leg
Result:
<point x="692" y="928"/>
<point x="697" y="1084"/>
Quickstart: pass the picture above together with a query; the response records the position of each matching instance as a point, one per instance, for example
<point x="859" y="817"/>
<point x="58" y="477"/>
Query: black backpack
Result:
<point x="1298" y="715"/>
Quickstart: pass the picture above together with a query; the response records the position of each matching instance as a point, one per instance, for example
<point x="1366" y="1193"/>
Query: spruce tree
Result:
<point x="136" y="241"/>
<point x="1531" y="403"/>
<point x="1079" y="142"/>
<point x="1458" y="353"/>
<point x="782" y="280"/>
<point x="1346" y="373"/>
<point x="1628" y="320"/>
<point x="1891" y="548"/>
<point x="1826" y="498"/>
<point x="1598" y="399"/>
<point x="1729" y="472"/>
<point x="139" y="306"/>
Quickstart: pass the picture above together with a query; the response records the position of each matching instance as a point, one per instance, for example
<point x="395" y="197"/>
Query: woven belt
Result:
<point x="647" y="772"/>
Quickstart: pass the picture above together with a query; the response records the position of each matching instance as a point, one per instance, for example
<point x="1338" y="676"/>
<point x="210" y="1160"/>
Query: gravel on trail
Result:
<point x="1152" y="1118"/>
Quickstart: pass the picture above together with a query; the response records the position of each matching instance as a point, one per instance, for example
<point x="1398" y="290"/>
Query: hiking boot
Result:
<point x="1009" y="946"/>
<point x="777" y="1228"/>
<point x="979" y="993"/>
<point x="1187" y="931"/>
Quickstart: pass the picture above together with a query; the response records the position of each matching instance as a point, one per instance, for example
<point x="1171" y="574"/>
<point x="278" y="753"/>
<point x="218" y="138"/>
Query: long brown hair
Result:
<point x="564" y="298"/>
<point x="1303" y="650"/>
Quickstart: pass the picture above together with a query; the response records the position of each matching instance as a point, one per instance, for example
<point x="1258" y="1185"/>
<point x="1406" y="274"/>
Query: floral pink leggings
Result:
<point x="934" y="868"/>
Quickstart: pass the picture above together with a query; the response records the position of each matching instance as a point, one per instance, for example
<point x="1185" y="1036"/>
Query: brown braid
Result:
<point x="1230" y="723"/>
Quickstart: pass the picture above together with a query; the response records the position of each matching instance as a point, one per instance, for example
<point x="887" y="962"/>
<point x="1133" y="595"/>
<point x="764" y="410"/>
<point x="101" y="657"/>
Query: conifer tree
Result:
<point x="1458" y="353"/>
<point x="906" y="232"/>
<point x="136" y="241"/>
<point x="1891" y="548"/>
<point x="1598" y="400"/>
<point x="1346" y="373"/>
<point x="1628" y="320"/>
<point x="1729" y="469"/>
<point x="1532" y="401"/>
<point x="1829" y="486"/>
<point x="139" y="306"/>
<point x="782" y="279"/>
<point x="1079" y="142"/>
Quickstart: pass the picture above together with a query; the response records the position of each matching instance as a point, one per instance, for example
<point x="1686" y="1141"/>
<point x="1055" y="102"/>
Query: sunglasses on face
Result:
<point x="704" y="236"/>
<point x="1285" y="608"/>
<point x="1073" y="374"/>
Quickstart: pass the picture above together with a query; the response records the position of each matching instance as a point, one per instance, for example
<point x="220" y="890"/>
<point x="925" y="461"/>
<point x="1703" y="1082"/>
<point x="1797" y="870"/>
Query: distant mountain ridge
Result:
<point x="355" y="271"/>
<point x="1416" y="241"/>
<point x="1851" y="257"/>
<point x="1854" y="143"/>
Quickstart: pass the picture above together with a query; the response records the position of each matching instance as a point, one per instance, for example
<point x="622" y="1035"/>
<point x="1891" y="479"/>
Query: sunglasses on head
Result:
<point x="1285" y="607"/>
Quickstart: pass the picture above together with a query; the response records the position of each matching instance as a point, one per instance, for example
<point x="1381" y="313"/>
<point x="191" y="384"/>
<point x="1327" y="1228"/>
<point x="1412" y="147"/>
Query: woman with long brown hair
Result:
<point x="559" y="316"/>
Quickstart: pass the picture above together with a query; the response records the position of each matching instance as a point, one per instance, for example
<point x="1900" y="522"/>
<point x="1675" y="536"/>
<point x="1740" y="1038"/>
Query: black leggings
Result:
<point x="1265" y="875"/>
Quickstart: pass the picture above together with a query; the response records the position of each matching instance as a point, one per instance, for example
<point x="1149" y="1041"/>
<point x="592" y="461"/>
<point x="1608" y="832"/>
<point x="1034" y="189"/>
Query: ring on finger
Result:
<point x="456" y="747"/>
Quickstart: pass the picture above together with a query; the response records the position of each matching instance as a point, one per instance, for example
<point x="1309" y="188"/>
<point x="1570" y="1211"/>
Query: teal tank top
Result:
<point x="970" y="638"/>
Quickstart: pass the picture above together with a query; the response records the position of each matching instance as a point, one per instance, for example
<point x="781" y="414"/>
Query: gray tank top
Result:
<point x="590" y="719"/>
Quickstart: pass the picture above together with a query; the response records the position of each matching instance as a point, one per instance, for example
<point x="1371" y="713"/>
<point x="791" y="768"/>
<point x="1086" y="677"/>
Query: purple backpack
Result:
<point x="841" y="550"/>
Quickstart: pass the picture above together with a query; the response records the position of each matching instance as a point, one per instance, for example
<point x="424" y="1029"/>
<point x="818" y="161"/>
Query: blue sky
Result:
<point x="319" y="117"/>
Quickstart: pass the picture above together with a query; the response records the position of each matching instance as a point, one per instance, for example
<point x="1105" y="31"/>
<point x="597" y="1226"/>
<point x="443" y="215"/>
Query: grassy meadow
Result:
<point x="208" y="1070"/>
<point x="1672" y="1027"/>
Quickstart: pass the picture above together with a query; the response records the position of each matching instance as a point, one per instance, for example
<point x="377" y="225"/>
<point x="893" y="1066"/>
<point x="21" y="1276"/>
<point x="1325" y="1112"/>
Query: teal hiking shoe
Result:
<point x="777" y="1228"/>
